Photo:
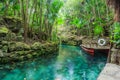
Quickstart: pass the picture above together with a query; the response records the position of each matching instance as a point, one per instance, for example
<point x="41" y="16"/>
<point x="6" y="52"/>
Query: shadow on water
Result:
<point x="71" y="63"/>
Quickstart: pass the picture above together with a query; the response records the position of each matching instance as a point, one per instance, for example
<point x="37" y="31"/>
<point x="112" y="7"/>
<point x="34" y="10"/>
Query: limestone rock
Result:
<point x="19" y="51"/>
<point x="29" y="56"/>
<point x="1" y="54"/>
<point x="3" y="31"/>
<point x="13" y="23"/>
<point x="5" y="49"/>
<point x="19" y="46"/>
<point x="4" y="43"/>
<point x="36" y="46"/>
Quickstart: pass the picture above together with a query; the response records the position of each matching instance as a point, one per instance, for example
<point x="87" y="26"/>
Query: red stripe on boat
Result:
<point x="88" y="50"/>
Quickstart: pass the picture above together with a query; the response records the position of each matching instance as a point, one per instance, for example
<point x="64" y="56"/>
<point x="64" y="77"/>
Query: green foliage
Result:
<point x="98" y="30"/>
<point x="2" y="0"/>
<point x="78" y="22"/>
<point x="85" y="14"/>
<point x="116" y="31"/>
<point x="60" y="21"/>
<point x="16" y="7"/>
<point x="54" y="36"/>
<point x="54" y="9"/>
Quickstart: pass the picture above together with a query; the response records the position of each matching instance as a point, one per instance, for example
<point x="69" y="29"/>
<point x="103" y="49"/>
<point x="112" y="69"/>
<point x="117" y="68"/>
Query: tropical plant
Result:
<point x="38" y="16"/>
<point x="116" y="34"/>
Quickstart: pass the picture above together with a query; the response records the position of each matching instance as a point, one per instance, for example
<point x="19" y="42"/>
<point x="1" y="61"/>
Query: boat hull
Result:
<point x="92" y="51"/>
<point x="88" y="50"/>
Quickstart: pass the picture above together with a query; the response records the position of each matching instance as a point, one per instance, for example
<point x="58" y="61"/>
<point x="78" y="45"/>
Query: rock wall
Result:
<point x="11" y="52"/>
<point x="67" y="36"/>
<point x="115" y="56"/>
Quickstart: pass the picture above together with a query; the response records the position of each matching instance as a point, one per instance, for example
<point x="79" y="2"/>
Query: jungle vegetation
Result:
<point x="39" y="18"/>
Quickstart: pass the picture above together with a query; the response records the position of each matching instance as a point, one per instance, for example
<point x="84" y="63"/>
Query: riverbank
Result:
<point x="11" y="52"/>
<point x="71" y="63"/>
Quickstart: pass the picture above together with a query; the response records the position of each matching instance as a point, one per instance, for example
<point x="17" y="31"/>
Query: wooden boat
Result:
<point x="88" y="50"/>
<point x="92" y="50"/>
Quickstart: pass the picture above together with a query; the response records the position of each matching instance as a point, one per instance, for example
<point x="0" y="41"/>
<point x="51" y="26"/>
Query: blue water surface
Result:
<point x="71" y="63"/>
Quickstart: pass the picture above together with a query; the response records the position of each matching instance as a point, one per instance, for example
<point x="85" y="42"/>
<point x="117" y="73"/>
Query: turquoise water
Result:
<point x="70" y="64"/>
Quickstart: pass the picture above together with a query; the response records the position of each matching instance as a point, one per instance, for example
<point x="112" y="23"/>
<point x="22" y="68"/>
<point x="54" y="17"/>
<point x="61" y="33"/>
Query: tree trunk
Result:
<point x="116" y="5"/>
<point x="25" y="18"/>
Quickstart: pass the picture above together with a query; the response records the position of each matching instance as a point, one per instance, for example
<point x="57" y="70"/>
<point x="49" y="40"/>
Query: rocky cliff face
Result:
<point x="12" y="47"/>
<point x="11" y="52"/>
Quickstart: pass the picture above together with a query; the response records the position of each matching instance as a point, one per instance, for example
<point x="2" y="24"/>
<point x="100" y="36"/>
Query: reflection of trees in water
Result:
<point x="69" y="62"/>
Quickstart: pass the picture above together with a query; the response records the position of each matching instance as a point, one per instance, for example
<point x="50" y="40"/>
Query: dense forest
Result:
<point x="38" y="18"/>
<point x="70" y="39"/>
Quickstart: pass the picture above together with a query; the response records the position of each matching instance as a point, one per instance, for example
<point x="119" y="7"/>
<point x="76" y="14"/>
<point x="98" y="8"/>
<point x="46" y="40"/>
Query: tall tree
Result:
<point x="24" y="10"/>
<point x="116" y="5"/>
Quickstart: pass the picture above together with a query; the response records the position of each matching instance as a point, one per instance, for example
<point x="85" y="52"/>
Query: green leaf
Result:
<point x="98" y="30"/>
<point x="16" y="7"/>
<point x="60" y="21"/>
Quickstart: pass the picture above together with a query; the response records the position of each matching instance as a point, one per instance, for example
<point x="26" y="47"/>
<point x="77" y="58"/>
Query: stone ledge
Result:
<point x="110" y="72"/>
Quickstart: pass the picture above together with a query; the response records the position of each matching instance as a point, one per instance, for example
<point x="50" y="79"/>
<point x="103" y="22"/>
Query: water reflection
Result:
<point x="70" y="64"/>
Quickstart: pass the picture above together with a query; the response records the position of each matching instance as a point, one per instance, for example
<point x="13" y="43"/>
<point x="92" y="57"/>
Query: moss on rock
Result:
<point x="4" y="30"/>
<point x="4" y="43"/>
<point x="19" y="46"/>
<point x="36" y="46"/>
<point x="29" y="56"/>
<point x="21" y="58"/>
<point x="19" y="51"/>
<point x="5" y="49"/>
